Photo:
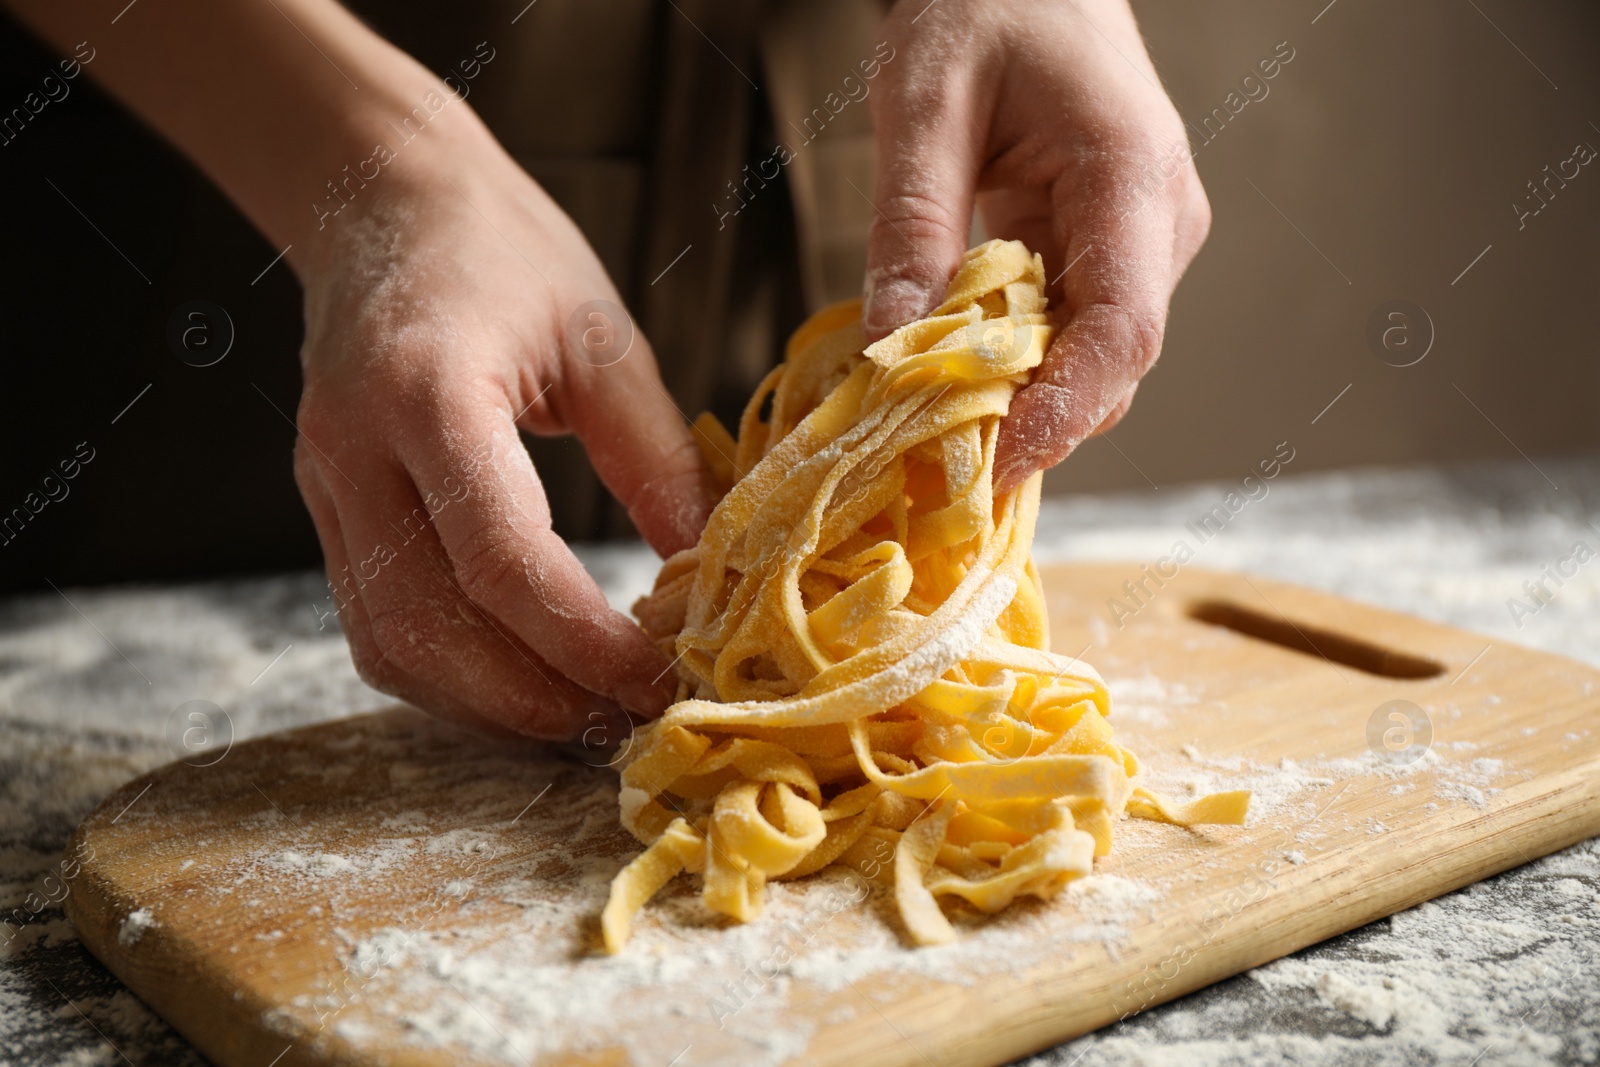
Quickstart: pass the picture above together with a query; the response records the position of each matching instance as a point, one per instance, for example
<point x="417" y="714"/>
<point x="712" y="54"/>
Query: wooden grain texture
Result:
<point x="252" y="953"/>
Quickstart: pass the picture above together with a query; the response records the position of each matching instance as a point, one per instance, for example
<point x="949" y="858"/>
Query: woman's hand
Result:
<point x="1050" y="117"/>
<point x="440" y="316"/>
<point x="444" y="295"/>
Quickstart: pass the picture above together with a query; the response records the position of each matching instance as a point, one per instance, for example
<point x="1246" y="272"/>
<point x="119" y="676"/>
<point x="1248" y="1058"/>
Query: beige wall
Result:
<point x="1397" y="140"/>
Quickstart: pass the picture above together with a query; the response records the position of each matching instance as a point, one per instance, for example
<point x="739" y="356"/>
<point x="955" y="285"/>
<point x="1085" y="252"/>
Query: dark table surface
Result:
<point x="1503" y="972"/>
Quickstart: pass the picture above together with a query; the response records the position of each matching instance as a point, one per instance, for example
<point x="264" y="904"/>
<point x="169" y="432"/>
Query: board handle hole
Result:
<point x="1314" y="640"/>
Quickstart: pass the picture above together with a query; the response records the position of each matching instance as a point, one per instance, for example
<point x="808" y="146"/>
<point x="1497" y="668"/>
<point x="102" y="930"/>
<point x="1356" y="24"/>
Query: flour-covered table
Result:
<point x="1503" y="972"/>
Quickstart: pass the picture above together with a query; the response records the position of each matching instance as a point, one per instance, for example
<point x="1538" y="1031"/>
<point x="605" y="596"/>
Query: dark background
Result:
<point x="1385" y="158"/>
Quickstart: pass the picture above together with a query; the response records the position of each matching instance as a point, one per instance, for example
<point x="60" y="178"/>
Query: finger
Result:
<point x="494" y="525"/>
<point x="371" y="664"/>
<point x="637" y="439"/>
<point x="319" y="502"/>
<point x="1114" y="309"/>
<point x="1194" y="224"/>
<point x="1116" y="413"/>
<point x="931" y="139"/>
<point x="468" y="697"/>
<point x="431" y="643"/>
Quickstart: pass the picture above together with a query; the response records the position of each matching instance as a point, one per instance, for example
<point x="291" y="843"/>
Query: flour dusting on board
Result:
<point x="134" y="926"/>
<point x="492" y="956"/>
<point x="526" y="985"/>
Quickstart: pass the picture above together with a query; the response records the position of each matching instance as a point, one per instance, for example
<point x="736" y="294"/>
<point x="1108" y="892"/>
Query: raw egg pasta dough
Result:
<point x="861" y="638"/>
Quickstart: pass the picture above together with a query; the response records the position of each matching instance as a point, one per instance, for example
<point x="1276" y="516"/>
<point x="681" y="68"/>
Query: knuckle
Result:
<point x="669" y="472"/>
<point x="1194" y="223"/>
<point x="371" y="665"/>
<point x="317" y="421"/>
<point x="372" y="669"/>
<point x="1144" y="146"/>
<point x="419" y="399"/>
<point x="1151" y="167"/>
<point x="400" y="640"/>
<point x="1115" y="415"/>
<point x="914" y="216"/>
<point x="671" y="502"/>
<point x="1199" y="210"/>
<point x="486" y="562"/>
<point x="1136" y="331"/>
<point x="305" y="471"/>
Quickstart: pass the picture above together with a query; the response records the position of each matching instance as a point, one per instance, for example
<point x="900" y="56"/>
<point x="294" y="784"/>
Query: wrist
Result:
<point x="409" y="143"/>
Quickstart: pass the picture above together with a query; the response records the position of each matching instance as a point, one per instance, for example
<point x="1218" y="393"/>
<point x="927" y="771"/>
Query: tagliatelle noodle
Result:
<point x="861" y="638"/>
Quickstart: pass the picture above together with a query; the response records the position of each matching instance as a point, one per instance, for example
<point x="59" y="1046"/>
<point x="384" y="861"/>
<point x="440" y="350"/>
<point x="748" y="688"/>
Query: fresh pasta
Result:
<point x="861" y="639"/>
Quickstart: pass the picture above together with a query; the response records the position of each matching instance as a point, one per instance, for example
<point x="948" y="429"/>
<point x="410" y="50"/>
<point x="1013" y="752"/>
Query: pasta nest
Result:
<point x="861" y="639"/>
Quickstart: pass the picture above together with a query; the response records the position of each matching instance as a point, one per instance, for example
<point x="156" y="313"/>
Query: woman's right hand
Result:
<point x="440" y="318"/>
<point x="444" y="310"/>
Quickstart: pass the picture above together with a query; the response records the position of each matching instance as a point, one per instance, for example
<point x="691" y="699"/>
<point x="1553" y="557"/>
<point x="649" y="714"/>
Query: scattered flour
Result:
<point x="134" y="927"/>
<point x="519" y="980"/>
<point x="319" y="864"/>
<point x="1501" y="973"/>
<point x="511" y="992"/>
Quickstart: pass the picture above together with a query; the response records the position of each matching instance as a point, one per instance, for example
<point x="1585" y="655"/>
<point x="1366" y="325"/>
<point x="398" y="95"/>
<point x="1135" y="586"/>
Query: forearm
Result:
<point x="274" y="99"/>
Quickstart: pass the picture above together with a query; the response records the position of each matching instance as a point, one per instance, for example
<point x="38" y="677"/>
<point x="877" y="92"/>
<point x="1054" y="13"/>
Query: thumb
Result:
<point x="929" y="148"/>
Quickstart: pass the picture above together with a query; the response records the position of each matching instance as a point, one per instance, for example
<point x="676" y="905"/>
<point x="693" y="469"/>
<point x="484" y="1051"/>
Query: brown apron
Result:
<point x="719" y="157"/>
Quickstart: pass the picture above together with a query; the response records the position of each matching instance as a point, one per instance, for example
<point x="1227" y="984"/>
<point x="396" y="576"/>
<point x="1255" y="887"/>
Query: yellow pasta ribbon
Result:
<point x="862" y="643"/>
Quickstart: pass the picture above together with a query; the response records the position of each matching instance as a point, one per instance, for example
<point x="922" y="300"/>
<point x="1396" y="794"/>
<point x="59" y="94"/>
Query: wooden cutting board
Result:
<point x="386" y="890"/>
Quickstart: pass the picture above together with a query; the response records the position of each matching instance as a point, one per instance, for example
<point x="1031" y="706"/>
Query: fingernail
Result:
<point x="894" y="304"/>
<point x="648" y="698"/>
